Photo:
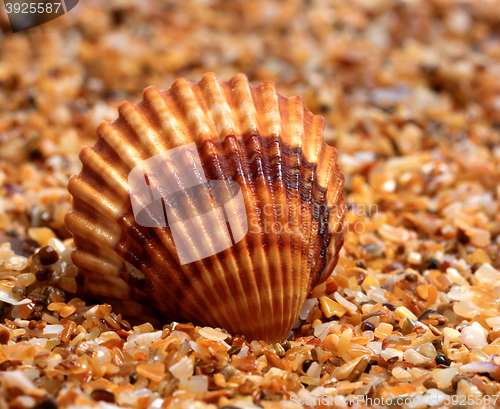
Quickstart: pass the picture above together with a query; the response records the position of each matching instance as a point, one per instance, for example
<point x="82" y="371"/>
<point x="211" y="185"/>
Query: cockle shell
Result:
<point x="221" y="157"/>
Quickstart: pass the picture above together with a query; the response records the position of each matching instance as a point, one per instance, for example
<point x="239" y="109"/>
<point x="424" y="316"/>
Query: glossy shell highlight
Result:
<point x="253" y="143"/>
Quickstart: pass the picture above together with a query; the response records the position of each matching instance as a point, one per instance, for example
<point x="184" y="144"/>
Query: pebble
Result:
<point x="367" y="326"/>
<point x="344" y="341"/>
<point x="48" y="255"/>
<point x="466" y="309"/>
<point x="383" y="330"/>
<point x="346" y="369"/>
<point x="194" y="384"/>
<point x="213" y="334"/>
<point x="400" y="373"/>
<point x="359" y="368"/>
<point x="444" y="377"/>
<point x="331" y="342"/>
<point x="430" y="383"/>
<point x="396" y="340"/>
<point x="361" y="265"/>
<point x="408" y="326"/>
<point x="234" y="350"/>
<point x="41" y="235"/>
<point x="390" y="306"/>
<point x="433" y="264"/>
<point x="414" y="258"/>
<point x="413" y="357"/>
<point x="280" y="351"/>
<point x="374" y="249"/>
<point x="228" y="371"/>
<point x="442" y="360"/>
<point x="428" y="350"/>
<point x="26" y="279"/>
<point x="4" y="336"/>
<point x="412" y="277"/>
<point x="156" y="370"/>
<point x="180" y="370"/>
<point x="487" y="274"/>
<point x="103" y="395"/>
<point x="314" y="370"/>
<point x="285" y="344"/>
<point x="403" y="312"/>
<point x="134" y="377"/>
<point x="306" y="364"/>
<point x="473" y="336"/>
<point x="331" y="308"/>
<point x="17" y="292"/>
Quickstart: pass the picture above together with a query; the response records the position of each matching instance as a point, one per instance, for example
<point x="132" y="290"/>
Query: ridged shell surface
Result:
<point x="263" y="187"/>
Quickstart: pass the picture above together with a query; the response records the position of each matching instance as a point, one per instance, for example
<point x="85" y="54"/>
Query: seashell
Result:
<point x="217" y="203"/>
